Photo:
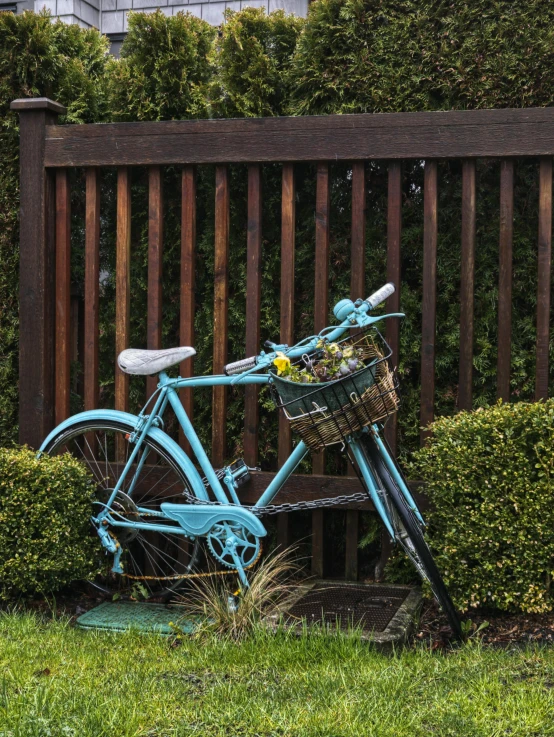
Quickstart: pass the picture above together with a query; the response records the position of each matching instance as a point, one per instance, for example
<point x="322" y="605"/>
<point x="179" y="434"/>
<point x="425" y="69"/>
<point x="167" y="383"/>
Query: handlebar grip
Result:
<point x="381" y="295"/>
<point x="237" y="367"/>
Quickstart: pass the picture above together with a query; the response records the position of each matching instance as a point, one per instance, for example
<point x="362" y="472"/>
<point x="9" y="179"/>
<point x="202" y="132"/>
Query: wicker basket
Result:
<point x="332" y="411"/>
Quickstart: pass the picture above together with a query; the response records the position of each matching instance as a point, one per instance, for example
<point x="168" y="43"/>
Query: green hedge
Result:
<point x="490" y="477"/>
<point x="348" y="56"/>
<point x="253" y="59"/>
<point x="45" y="536"/>
<point x="37" y="58"/>
<point x="384" y="56"/>
<point x="164" y="70"/>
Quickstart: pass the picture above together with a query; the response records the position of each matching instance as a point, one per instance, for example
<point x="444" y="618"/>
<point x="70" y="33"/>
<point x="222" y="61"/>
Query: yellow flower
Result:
<point x="282" y="363"/>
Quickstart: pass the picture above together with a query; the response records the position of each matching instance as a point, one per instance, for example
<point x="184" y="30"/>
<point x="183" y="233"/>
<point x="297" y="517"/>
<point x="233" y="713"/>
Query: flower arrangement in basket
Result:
<point x="337" y="390"/>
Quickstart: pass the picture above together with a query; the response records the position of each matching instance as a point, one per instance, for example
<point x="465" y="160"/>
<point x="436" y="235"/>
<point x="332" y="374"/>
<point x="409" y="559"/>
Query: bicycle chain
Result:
<point x="270" y="509"/>
<point x="183" y="576"/>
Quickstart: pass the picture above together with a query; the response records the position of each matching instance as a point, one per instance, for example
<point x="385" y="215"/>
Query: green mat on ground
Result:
<point x="119" y="616"/>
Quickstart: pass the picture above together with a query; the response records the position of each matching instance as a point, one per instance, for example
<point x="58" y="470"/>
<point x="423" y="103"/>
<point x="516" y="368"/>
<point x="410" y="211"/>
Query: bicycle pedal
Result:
<point x="240" y="472"/>
<point x="237" y="469"/>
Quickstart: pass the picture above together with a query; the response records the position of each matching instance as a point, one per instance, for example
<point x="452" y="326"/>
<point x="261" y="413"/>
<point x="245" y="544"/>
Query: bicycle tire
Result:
<point x="420" y="555"/>
<point x="68" y="441"/>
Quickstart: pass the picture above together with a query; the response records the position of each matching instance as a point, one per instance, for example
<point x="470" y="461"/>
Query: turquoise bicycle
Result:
<point x="152" y="505"/>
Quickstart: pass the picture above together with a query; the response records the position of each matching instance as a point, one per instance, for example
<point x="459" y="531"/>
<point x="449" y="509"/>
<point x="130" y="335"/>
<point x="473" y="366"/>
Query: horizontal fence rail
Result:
<point x="475" y="133"/>
<point x="49" y="151"/>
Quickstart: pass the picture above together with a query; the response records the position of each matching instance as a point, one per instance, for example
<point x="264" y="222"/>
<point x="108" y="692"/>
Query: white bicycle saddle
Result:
<point x="145" y="363"/>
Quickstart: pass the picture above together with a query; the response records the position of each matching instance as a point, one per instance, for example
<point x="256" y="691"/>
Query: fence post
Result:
<point x="36" y="271"/>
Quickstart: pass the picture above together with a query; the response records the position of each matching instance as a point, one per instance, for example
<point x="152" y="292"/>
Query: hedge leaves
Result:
<point x="46" y="540"/>
<point x="490" y="478"/>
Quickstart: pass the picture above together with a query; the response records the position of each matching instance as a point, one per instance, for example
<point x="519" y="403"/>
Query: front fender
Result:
<point x="125" y="418"/>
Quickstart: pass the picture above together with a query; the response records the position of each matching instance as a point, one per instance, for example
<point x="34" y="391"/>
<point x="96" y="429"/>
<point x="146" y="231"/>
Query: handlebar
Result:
<point x="381" y="295"/>
<point x="351" y="314"/>
<point x="237" y="367"/>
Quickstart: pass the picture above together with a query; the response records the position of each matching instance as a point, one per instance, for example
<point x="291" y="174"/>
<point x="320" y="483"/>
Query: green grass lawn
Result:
<point x="57" y="681"/>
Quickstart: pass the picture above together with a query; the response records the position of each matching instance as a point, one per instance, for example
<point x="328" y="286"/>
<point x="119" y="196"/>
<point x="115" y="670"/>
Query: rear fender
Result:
<point x="130" y="421"/>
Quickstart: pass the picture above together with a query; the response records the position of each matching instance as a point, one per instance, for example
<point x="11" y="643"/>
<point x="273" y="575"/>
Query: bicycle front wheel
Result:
<point x="409" y="533"/>
<point x="155" y="563"/>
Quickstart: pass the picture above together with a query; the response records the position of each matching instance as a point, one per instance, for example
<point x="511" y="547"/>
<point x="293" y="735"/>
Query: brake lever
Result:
<point x="365" y="319"/>
<point x="263" y="363"/>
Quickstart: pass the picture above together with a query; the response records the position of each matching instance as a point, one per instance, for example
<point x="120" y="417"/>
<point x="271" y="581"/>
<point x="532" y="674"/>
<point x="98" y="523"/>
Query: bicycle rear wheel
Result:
<point x="155" y="563"/>
<point x="409" y="533"/>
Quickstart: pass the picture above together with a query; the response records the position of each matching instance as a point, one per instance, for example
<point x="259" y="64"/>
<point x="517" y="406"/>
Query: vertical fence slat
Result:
<point x="428" y="322"/>
<point x="122" y="282"/>
<point x="465" y="383"/>
<point x="92" y="288"/>
<point x="221" y="296"/>
<point x="505" y="280"/>
<point x="63" y="296"/>
<point x="357" y="248"/>
<point x="188" y="251"/>
<point x="543" y="289"/>
<point x="253" y="301"/>
<point x="357" y="290"/>
<point x="394" y="235"/>
<point x="155" y="268"/>
<point x="321" y="311"/>
<point x="288" y="222"/>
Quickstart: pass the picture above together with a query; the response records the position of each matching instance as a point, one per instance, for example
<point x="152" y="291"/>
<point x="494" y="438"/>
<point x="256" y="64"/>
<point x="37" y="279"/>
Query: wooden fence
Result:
<point x="49" y="150"/>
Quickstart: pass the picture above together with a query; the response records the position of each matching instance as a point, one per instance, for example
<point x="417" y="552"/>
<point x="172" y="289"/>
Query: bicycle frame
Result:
<point x="168" y="394"/>
<point x="232" y="520"/>
<point x="350" y="314"/>
<point x="233" y="531"/>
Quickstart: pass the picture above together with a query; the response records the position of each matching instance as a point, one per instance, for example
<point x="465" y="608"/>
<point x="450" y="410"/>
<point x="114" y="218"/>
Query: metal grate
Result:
<point x="369" y="607"/>
<point x="124" y="615"/>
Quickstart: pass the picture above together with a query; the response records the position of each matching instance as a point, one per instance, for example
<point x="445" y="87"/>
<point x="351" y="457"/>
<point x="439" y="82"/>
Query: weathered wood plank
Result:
<point x="155" y="268"/>
<point x="357" y="290"/>
<point x="543" y="288"/>
<point x="321" y="312"/>
<point x="357" y="245"/>
<point x="318" y="543"/>
<point x="298" y="488"/>
<point x="321" y="296"/>
<point x="188" y="259"/>
<point x="253" y="307"/>
<point x="351" y="571"/>
<point x="455" y="134"/>
<point x="36" y="272"/>
<point x="63" y="295"/>
<point x="428" y="322"/>
<point x="394" y="236"/>
<point x="122" y="283"/>
<point x="221" y="297"/>
<point x="505" y="280"/>
<point x="288" y="222"/>
<point x="304" y="487"/>
<point x="331" y="123"/>
<point x="465" y="383"/>
<point x="92" y="288"/>
<point x="311" y="487"/>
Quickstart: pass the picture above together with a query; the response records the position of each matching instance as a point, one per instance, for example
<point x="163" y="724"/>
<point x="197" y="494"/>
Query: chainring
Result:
<point x="246" y="545"/>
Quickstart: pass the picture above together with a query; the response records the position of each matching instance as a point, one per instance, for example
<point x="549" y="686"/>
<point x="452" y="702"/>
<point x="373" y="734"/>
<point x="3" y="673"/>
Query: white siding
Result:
<point x="110" y="16"/>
